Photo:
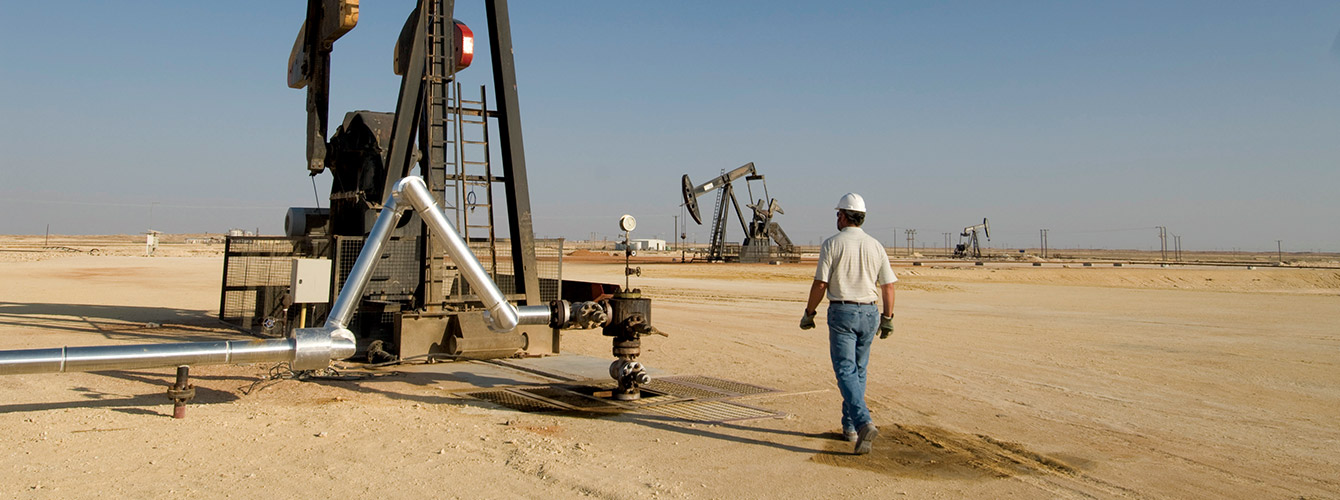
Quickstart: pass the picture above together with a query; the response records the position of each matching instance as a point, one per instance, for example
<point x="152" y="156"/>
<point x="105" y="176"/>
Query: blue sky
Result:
<point x="1098" y="121"/>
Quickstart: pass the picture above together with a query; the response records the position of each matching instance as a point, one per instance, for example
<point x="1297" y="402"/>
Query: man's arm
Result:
<point x="886" y="321"/>
<point x="817" y="290"/>
<point x="886" y="290"/>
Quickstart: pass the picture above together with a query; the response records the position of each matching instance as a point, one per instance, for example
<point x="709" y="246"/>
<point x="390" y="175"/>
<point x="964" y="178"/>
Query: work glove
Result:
<point x="885" y="326"/>
<point x="807" y="321"/>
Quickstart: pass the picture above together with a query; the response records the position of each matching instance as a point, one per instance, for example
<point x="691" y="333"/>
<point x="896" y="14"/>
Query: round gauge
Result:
<point x="627" y="222"/>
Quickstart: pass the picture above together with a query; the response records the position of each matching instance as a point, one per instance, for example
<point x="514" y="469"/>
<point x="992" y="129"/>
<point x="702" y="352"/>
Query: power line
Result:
<point x="147" y="205"/>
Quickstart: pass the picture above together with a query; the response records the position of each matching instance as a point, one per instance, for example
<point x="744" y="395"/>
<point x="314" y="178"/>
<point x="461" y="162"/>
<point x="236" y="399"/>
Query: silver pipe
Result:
<point x="342" y="311"/>
<point x="501" y="316"/>
<point x="533" y="315"/>
<point x="309" y="349"/>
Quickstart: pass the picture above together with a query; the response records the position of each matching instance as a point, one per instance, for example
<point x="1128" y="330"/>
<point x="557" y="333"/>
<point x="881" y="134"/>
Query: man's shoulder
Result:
<point x="861" y="239"/>
<point x="871" y="240"/>
<point x="851" y="234"/>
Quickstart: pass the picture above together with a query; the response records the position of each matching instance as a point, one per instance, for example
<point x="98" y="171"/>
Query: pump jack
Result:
<point x="757" y="246"/>
<point x="972" y="248"/>
<point x="418" y="303"/>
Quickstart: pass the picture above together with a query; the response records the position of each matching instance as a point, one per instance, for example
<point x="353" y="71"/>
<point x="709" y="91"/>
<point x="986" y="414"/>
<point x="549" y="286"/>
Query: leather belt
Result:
<point x="851" y="302"/>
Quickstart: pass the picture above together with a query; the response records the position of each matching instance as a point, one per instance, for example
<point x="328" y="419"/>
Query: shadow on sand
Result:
<point x="117" y="322"/>
<point x="154" y="403"/>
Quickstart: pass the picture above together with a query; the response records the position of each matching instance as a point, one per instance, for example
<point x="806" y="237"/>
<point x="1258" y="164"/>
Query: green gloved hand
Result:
<point x="807" y="321"/>
<point x="885" y="326"/>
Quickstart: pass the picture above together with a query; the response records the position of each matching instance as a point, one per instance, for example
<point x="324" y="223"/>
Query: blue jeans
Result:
<point x="851" y="329"/>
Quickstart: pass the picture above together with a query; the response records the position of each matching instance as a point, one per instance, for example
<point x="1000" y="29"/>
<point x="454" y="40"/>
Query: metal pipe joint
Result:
<point x="314" y="348"/>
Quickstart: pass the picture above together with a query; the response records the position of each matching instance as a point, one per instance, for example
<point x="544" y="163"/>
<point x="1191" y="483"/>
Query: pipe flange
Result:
<point x="559" y="312"/>
<point x="179" y="396"/>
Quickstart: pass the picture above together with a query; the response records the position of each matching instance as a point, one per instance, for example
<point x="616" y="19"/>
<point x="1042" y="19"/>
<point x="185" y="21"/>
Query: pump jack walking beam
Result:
<point x="691" y="192"/>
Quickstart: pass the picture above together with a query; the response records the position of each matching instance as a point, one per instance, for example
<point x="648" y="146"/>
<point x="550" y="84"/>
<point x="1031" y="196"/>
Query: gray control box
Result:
<point x="309" y="282"/>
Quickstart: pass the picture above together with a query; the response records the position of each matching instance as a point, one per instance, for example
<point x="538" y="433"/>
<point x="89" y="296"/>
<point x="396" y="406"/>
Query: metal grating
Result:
<point x="256" y="273"/>
<point x="671" y="387"/>
<point x="346" y="254"/>
<point x="506" y="397"/>
<point x="711" y="411"/>
<point x="566" y="396"/>
<point x="729" y="387"/>
<point x="600" y="391"/>
<point x="394" y="277"/>
<point x="548" y="267"/>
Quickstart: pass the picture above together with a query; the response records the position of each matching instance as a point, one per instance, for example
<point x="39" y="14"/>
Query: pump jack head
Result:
<point x="691" y="201"/>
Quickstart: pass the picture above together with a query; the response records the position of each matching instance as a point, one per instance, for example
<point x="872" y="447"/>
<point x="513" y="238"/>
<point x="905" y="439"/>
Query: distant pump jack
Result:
<point x="759" y="232"/>
<point x="971" y="248"/>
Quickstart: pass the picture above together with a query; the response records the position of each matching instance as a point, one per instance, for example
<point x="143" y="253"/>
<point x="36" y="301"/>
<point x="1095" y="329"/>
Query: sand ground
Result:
<point x="1001" y="381"/>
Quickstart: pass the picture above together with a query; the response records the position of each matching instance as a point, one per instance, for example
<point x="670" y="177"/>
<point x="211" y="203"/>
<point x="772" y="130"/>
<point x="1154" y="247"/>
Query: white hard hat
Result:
<point x="853" y="202"/>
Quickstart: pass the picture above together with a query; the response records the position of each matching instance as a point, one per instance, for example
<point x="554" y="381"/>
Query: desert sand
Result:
<point x="1000" y="381"/>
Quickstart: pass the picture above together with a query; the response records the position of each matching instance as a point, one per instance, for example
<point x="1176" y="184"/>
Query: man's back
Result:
<point x="853" y="264"/>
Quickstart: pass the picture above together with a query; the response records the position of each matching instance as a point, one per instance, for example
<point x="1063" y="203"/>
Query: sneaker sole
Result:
<point x="864" y="443"/>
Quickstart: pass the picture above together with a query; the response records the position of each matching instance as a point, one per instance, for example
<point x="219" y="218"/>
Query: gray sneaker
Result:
<point x="865" y="437"/>
<point x="850" y="436"/>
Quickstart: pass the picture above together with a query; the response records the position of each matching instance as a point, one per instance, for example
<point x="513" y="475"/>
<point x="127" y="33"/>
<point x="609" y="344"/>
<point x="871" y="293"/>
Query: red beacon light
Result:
<point x="465" y="46"/>
<point x="464" y="41"/>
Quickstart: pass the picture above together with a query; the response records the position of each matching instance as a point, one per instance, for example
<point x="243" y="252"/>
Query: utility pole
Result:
<point x="1279" y="248"/>
<point x="1163" y="241"/>
<point x="672" y="234"/>
<point x="946" y="243"/>
<point x="683" y="233"/>
<point x="911" y="237"/>
<point x="1044" y="242"/>
<point x="1177" y="247"/>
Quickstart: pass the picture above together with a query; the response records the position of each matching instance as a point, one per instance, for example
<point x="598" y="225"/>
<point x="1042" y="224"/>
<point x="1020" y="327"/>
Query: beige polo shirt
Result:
<point x="854" y="265"/>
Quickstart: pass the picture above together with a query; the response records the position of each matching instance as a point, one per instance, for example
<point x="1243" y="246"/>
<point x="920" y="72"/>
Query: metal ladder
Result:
<point x="436" y="140"/>
<point x="474" y="175"/>
<point x="716" y="249"/>
<point x="436" y="136"/>
<point x="458" y="163"/>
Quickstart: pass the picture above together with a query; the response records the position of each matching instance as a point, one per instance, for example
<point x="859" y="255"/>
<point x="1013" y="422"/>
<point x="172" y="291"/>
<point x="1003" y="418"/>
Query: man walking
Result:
<point x="854" y="272"/>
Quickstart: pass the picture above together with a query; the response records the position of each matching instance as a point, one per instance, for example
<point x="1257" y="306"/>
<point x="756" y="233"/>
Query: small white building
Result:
<point x="150" y="242"/>
<point x="644" y="244"/>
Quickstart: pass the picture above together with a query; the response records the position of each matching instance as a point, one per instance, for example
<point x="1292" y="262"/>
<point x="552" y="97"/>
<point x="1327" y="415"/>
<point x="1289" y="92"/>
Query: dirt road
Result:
<point x="999" y="382"/>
